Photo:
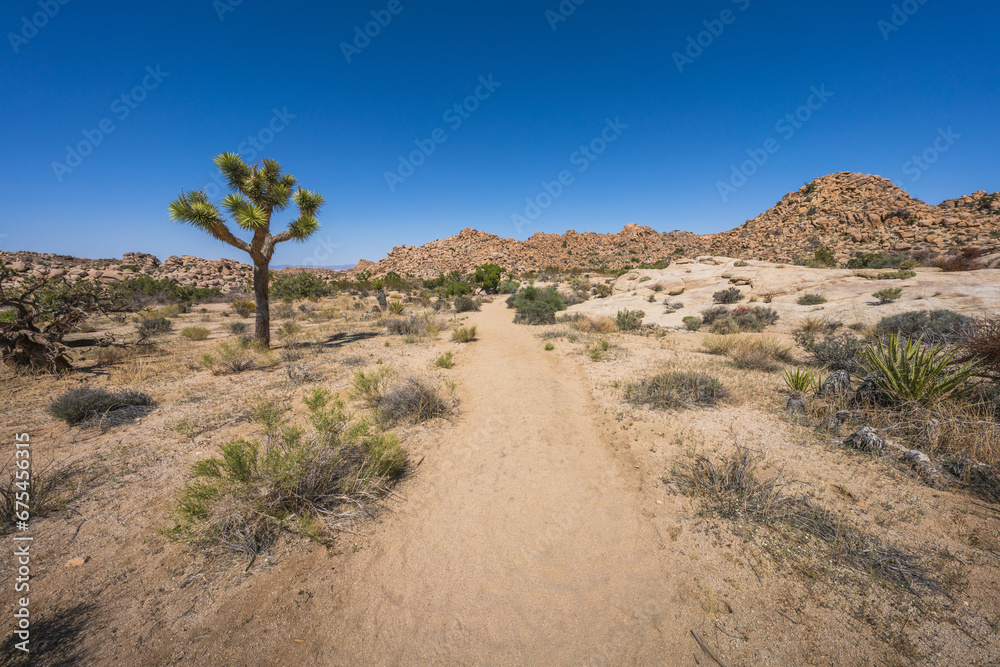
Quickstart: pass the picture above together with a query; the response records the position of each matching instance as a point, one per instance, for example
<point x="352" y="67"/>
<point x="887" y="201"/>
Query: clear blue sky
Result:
<point x="219" y="81"/>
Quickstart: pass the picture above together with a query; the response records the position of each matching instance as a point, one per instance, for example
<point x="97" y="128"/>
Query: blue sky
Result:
<point x="201" y="77"/>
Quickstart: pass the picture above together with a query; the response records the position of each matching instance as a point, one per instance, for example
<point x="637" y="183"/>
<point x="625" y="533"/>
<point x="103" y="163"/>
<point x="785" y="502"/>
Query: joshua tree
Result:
<point x="258" y="191"/>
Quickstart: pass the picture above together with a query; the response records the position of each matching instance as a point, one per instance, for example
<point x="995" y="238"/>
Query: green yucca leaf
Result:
<point x="907" y="371"/>
<point x="798" y="379"/>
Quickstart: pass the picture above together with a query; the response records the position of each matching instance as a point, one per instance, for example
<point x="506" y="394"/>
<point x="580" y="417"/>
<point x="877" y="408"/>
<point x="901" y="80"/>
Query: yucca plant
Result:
<point x="906" y="371"/>
<point x="799" y="379"/>
<point x="396" y="307"/>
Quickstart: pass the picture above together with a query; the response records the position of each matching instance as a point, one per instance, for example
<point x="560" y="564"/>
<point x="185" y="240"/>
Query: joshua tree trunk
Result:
<point x="261" y="297"/>
<point x="382" y="303"/>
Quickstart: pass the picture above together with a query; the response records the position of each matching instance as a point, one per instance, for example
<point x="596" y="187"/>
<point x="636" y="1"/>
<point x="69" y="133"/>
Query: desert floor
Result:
<point x="540" y="522"/>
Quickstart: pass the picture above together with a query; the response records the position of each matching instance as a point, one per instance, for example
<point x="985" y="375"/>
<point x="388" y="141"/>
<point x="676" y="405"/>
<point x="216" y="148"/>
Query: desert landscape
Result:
<point x="505" y="454"/>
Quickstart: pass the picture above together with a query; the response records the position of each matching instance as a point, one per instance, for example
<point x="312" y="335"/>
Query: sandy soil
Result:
<point x="539" y="525"/>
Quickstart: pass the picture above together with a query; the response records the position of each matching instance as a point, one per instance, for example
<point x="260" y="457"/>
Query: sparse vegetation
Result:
<point x="152" y="326"/>
<point x="463" y="334"/>
<point x="677" y="390"/>
<point x="195" y="333"/>
<point x="300" y="285"/>
<point x="835" y="352"/>
<point x="629" y="320"/>
<point x="722" y="320"/>
<point x="888" y="295"/>
<point x="692" y="322"/>
<point x="728" y="296"/>
<point x="800" y="379"/>
<point x="446" y="360"/>
<point x="934" y="326"/>
<point x="536" y="306"/>
<point x="811" y="299"/>
<point x="85" y="403"/>
<point x="464" y="304"/>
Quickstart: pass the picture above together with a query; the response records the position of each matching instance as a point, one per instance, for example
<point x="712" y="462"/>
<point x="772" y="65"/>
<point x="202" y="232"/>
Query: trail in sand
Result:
<point x="521" y="541"/>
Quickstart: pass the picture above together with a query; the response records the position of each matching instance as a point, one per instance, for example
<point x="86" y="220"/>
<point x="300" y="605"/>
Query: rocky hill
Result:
<point x="846" y="212"/>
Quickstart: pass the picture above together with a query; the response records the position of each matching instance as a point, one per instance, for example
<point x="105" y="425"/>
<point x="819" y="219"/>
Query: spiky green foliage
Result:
<point x="908" y="372"/>
<point x="799" y="379"/>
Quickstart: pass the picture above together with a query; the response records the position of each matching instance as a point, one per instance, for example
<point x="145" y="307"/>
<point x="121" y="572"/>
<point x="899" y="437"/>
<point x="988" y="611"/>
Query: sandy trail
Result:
<point x="522" y="539"/>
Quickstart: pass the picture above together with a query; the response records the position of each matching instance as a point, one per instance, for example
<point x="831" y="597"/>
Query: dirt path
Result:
<point x="522" y="540"/>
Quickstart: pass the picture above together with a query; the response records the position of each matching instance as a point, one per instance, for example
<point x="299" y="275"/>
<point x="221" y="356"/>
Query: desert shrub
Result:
<point x="598" y="349"/>
<point x="877" y="260"/>
<point x="676" y="390"/>
<point x="536" y="306"/>
<point x="51" y="488"/>
<point x="412" y="326"/>
<point x="888" y="295"/>
<point x="819" y="325"/>
<point x="722" y="320"/>
<point x="282" y="311"/>
<point x="824" y="256"/>
<point x="966" y="260"/>
<point x="549" y="347"/>
<point x="731" y="295"/>
<point x="243" y="307"/>
<point x="195" y="333"/>
<point x="446" y="360"/>
<point x="411" y="399"/>
<point x="902" y="274"/>
<point x="440" y="305"/>
<point x="752" y="358"/>
<point x="692" y="322"/>
<point x="574" y="297"/>
<point x="83" y="403"/>
<point x="369" y="386"/>
<point x="600" y="324"/>
<point x="509" y="287"/>
<point x="721" y="344"/>
<point x="152" y="326"/>
<point x="488" y="277"/>
<point x="305" y="483"/>
<point x="811" y="299"/>
<point x="836" y="352"/>
<point x="143" y="290"/>
<point x="629" y="320"/>
<point x="980" y="339"/>
<point x="739" y="264"/>
<point x="238" y="327"/>
<point x="935" y="326"/>
<point x="464" y="304"/>
<point x="301" y="285"/>
<point x="602" y="291"/>
<point x="464" y="334"/>
<point x="906" y="371"/>
<point x="234" y="356"/>
<point x="750" y="352"/>
<point x="396" y="307"/>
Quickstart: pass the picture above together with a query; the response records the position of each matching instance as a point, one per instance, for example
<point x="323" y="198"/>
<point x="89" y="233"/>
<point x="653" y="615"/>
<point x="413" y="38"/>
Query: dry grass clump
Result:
<point x="597" y="324"/>
<point x="980" y="339"/>
<point x="464" y="334"/>
<point x="243" y="354"/>
<point x="87" y="403"/>
<point x="412" y="326"/>
<point x="195" y="333"/>
<point x="411" y="398"/>
<point x="51" y="488"/>
<point x="306" y="483"/>
<point x="676" y="390"/>
<point x="733" y="489"/>
<point x="750" y="352"/>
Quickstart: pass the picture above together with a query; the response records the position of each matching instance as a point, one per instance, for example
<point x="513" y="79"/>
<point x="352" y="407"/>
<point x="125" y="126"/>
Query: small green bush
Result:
<point x="731" y="295"/>
<point x="549" y="347"/>
<point x="509" y="287"/>
<point x="811" y="300"/>
<point x="799" y="379"/>
<point x="677" y="390"/>
<point x="722" y="320"/>
<point x="739" y="264"/>
<point x="464" y="304"/>
<point x="888" y="295"/>
<point x="238" y="327"/>
<point x="153" y="326"/>
<point x="836" y="352"/>
<point x="902" y="274"/>
<point x="877" y="260"/>
<point x="195" y="333"/>
<point x="629" y="320"/>
<point x="396" y="307"/>
<point x="302" y="285"/>
<point x="935" y="326"/>
<point x="412" y="326"/>
<point x="536" y="306"/>
<point x="692" y="322"/>
<point x="82" y="403"/>
<point x="243" y="307"/>
<point x="464" y="334"/>
<point x="446" y="360"/>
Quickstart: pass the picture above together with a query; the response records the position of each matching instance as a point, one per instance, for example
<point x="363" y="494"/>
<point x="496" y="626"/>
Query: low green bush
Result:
<point x="536" y="306"/>
<point x="629" y="320"/>
<point x="811" y="300"/>
<point x="731" y="295"/>
<point x="195" y="333"/>
<point x="935" y="326"/>
<point x="301" y="285"/>
<point x="722" y="320"/>
<point x="676" y="390"/>
<point x="464" y="304"/>
<point x="83" y="403"/>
